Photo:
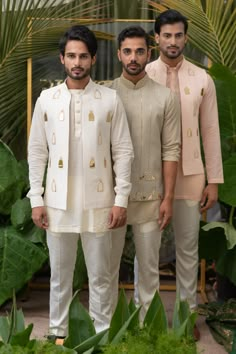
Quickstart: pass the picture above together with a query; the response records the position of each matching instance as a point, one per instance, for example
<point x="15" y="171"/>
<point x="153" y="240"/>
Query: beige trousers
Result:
<point x="101" y="261"/>
<point x="147" y="239"/>
<point x="186" y="223"/>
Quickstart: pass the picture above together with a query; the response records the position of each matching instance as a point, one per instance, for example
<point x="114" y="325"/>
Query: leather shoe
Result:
<point x="196" y="333"/>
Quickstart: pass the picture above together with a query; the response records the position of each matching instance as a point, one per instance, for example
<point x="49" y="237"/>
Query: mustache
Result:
<point x="173" y="46"/>
<point x="77" y="67"/>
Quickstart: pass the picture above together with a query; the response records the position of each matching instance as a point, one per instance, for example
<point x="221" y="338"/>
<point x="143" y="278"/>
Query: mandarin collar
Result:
<point x="129" y="84"/>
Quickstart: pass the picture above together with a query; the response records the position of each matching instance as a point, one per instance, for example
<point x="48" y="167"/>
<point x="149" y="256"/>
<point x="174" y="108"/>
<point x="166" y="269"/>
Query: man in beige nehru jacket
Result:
<point x="153" y="114"/>
<point x="199" y="118"/>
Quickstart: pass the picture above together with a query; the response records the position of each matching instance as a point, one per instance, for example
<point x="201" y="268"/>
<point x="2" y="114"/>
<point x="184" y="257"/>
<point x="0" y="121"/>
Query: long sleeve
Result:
<point x="171" y="130"/>
<point x="210" y="134"/>
<point x="122" y="154"/>
<point x="37" y="156"/>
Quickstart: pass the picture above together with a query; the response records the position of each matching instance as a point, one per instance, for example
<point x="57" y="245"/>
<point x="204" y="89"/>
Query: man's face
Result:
<point x="77" y="60"/>
<point x="171" y="40"/>
<point x="134" y="55"/>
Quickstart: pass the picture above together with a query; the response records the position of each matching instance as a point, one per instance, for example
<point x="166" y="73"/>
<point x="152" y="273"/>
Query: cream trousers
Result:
<point x="102" y="262"/>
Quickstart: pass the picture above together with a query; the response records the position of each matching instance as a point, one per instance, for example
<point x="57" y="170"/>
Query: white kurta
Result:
<point x="76" y="219"/>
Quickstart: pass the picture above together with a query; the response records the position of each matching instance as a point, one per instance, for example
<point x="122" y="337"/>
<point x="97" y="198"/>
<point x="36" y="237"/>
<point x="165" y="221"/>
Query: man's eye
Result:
<point x="84" y="56"/>
<point x="140" y="51"/>
<point x="126" y="51"/>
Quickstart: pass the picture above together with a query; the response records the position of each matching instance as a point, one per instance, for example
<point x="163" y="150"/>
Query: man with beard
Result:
<point x="153" y="114"/>
<point x="80" y="132"/>
<point x="196" y="92"/>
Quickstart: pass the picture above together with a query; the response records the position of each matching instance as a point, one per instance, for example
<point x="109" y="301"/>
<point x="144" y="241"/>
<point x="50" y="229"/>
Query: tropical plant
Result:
<point x="30" y="29"/>
<point x="22" y="245"/>
<point x="82" y="337"/>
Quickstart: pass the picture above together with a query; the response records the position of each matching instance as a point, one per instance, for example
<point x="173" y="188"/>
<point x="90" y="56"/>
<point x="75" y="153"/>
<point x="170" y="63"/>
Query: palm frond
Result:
<point x="212" y="26"/>
<point x="31" y="29"/>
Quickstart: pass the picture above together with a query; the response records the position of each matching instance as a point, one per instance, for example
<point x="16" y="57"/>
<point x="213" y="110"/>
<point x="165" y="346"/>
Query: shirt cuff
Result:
<point x="121" y="201"/>
<point x="36" y="202"/>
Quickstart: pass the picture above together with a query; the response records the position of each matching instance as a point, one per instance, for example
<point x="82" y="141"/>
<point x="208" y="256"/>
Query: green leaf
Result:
<point x="209" y="238"/>
<point x="11" y="182"/>
<point x="21" y="213"/>
<point x="22" y="338"/>
<point x="120" y="315"/>
<point x="80" y="325"/>
<point x="89" y="344"/>
<point x="229" y="231"/>
<point x="183" y="319"/>
<point x="4" y="328"/>
<point x="19" y="260"/>
<point x="227" y="190"/>
<point x="155" y="319"/>
<point x="120" y="334"/>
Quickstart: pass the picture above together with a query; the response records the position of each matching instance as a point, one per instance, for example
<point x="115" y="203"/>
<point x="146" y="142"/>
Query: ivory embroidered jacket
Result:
<point x="107" y="147"/>
<point x="198" y="110"/>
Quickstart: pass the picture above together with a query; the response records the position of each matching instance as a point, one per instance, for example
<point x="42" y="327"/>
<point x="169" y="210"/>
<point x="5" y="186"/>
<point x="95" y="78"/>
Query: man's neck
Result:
<point x="134" y="78"/>
<point x="171" y="62"/>
<point x="77" y="84"/>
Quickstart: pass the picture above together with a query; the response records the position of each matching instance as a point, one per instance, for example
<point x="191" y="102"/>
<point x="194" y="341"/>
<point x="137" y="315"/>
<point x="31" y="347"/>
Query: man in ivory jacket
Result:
<point x="80" y="132"/>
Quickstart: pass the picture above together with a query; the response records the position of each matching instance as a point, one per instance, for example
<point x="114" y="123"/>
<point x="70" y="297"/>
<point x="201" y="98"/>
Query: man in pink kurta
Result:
<point x="199" y="118"/>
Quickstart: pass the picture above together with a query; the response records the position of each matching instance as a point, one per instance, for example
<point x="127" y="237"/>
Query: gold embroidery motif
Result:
<point x="56" y="94"/>
<point x="105" y="162"/>
<point x="148" y="177"/>
<point x="187" y="90"/>
<point x="60" y="163"/>
<point x="202" y="91"/>
<point x="53" y="139"/>
<point x="92" y="163"/>
<point x="100" y="186"/>
<point x="97" y="94"/>
<point x="61" y="116"/>
<point x="189" y="133"/>
<point x="109" y="117"/>
<point x="91" y="116"/>
<point x="45" y="117"/>
<point x="53" y="186"/>
<point x="100" y="138"/>
<point x="138" y="196"/>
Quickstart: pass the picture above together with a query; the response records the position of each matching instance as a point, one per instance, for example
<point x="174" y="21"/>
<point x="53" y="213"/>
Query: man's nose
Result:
<point x="173" y="41"/>
<point x="76" y="61"/>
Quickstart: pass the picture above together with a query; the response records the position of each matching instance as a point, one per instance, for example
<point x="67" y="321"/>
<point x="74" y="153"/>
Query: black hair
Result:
<point x="132" y="32"/>
<point x="79" y="33"/>
<point x="169" y="17"/>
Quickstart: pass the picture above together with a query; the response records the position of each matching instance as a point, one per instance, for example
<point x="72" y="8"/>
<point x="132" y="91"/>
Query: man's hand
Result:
<point x="209" y="197"/>
<point x="39" y="217"/>
<point x="117" y="217"/>
<point x="165" y="213"/>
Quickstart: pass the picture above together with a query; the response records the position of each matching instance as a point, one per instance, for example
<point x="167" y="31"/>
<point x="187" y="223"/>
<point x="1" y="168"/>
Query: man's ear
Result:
<point x="62" y="59"/>
<point x="94" y="58"/>
<point x="157" y="38"/>
<point x="118" y="54"/>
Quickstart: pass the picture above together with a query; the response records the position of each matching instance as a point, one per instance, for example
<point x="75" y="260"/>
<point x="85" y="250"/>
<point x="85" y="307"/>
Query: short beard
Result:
<point x="82" y="76"/>
<point x="138" y="71"/>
